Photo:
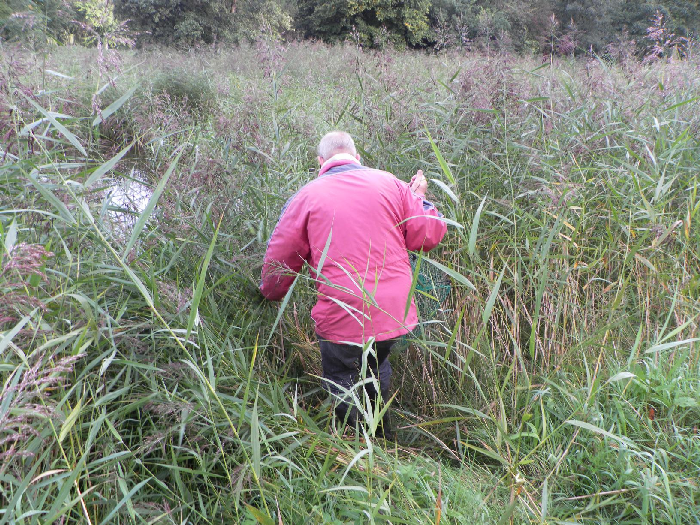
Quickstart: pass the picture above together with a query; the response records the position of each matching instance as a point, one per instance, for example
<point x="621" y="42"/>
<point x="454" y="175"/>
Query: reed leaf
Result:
<point x="113" y="107"/>
<point x="150" y="206"/>
<point x="59" y="127"/>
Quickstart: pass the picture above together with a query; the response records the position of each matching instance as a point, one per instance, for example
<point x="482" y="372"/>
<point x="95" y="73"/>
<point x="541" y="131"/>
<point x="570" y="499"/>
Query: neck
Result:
<point x="342" y="156"/>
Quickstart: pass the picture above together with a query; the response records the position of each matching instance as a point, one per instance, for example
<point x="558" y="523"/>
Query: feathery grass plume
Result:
<point x="26" y="404"/>
<point x="21" y="270"/>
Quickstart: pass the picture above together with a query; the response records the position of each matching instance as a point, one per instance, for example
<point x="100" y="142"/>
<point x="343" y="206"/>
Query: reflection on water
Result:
<point x="125" y="200"/>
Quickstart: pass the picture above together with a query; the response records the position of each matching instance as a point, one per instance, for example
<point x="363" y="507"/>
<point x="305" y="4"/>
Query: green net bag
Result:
<point x="430" y="293"/>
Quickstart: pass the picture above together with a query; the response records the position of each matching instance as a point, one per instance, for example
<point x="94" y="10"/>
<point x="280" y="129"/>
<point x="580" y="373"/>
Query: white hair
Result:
<point x="336" y="142"/>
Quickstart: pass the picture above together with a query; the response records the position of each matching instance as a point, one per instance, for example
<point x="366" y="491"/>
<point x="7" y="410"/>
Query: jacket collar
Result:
<point x="338" y="160"/>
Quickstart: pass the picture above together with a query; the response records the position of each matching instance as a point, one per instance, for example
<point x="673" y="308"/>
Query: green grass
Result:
<point x="143" y="380"/>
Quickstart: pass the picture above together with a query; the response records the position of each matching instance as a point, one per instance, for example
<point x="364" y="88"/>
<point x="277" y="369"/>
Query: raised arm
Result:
<point x="423" y="228"/>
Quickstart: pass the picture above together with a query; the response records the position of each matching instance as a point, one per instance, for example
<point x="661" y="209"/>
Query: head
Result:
<point x="336" y="142"/>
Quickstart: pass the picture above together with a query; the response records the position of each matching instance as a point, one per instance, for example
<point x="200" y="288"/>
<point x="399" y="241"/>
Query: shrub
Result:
<point x="190" y="89"/>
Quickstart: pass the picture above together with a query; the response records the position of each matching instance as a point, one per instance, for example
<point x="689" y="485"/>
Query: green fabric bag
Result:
<point x="432" y="289"/>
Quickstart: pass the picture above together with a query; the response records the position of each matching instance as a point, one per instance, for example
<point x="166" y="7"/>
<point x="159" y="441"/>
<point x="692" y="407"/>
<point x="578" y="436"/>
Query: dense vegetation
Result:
<point x="143" y="380"/>
<point x="563" y="27"/>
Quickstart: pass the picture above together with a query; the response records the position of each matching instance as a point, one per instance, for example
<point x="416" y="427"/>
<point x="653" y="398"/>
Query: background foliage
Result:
<point x="532" y="26"/>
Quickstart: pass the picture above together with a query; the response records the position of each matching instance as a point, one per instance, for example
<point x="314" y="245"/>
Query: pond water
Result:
<point x="125" y="199"/>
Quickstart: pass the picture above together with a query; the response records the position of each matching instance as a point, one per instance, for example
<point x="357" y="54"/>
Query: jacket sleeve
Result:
<point x="287" y="250"/>
<point x="423" y="228"/>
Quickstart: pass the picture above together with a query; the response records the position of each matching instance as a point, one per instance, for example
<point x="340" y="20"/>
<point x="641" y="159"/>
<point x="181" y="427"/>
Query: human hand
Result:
<point x="419" y="184"/>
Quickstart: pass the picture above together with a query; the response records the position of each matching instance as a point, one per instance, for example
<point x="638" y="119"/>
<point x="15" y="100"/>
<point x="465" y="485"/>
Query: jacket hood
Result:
<point x="339" y="159"/>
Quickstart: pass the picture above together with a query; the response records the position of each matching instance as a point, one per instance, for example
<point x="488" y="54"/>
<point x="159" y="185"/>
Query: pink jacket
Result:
<point x="368" y="219"/>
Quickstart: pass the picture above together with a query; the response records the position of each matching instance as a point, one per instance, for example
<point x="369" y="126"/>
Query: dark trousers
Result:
<point x="342" y="366"/>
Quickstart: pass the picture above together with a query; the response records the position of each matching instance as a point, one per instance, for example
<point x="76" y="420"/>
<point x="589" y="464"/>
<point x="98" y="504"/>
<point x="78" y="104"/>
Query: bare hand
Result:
<point x="419" y="184"/>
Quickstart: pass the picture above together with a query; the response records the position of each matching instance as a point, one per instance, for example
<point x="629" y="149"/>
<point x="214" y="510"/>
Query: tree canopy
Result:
<point x="550" y="26"/>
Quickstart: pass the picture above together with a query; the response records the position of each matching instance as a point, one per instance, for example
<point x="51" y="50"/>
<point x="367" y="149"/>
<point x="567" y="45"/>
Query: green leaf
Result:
<point x="114" y="106"/>
<point x="545" y="499"/>
<point x="354" y="460"/>
<point x="456" y="276"/>
<point x="508" y="512"/>
<point x="9" y="391"/>
<point x="414" y="282"/>
<point x="598" y="430"/>
<point x="282" y="307"/>
<point x="107" y="166"/>
<point x="196" y="298"/>
<point x="486" y="314"/>
<point x="70" y="421"/>
<point x="255" y="438"/>
<point x="49" y="196"/>
<point x="322" y="259"/>
<point x="621" y="376"/>
<point x="259" y="516"/>
<point x="57" y="74"/>
<point x="351" y="488"/>
<point x="446" y="189"/>
<point x="11" y="236"/>
<point x="445" y="168"/>
<point x="471" y="247"/>
<point x="18" y="492"/>
<point x="60" y="127"/>
<point x="646" y="262"/>
<point x="145" y="215"/>
<point x="673" y="344"/>
<point x="125" y="499"/>
<point x="139" y="284"/>
<point x="453" y="335"/>
<point x="683" y="103"/>
<point x="8" y="336"/>
<point x="434" y="218"/>
<point x="486" y="452"/>
<point x="686" y="402"/>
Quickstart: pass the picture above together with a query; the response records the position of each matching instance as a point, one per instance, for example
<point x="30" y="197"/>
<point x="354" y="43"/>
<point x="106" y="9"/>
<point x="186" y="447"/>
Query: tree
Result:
<point x="178" y="21"/>
<point x="453" y="21"/>
<point x="403" y="22"/>
<point x="591" y="20"/>
<point x="275" y="17"/>
<point x="38" y="22"/>
<point x="191" y="22"/>
<point x="684" y="16"/>
<point x="96" y="19"/>
<point x="491" y="24"/>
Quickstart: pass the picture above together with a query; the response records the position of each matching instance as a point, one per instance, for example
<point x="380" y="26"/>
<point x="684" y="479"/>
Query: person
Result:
<point x="354" y="225"/>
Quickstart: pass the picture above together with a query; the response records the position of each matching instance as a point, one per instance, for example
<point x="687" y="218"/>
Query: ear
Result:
<point x="321" y="160"/>
<point x="357" y="156"/>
